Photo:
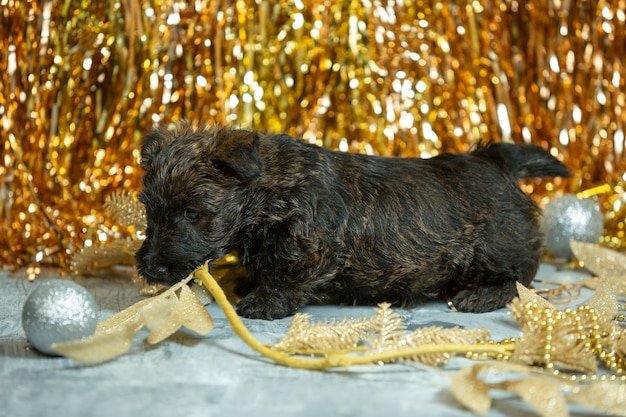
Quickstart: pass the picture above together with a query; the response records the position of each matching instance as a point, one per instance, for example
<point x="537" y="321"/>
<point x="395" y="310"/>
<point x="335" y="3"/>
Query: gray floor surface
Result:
<point x="218" y="375"/>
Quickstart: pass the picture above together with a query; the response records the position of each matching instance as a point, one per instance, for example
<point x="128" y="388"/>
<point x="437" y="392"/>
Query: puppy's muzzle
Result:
<point x="150" y="268"/>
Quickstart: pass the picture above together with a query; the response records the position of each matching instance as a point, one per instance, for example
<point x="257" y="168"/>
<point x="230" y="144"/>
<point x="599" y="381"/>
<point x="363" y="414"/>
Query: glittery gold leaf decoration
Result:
<point x="163" y="315"/>
<point x="470" y="390"/>
<point x="547" y="394"/>
<point x="572" y="339"/>
<point x="551" y="337"/>
<point x="608" y="265"/>
<point x="82" y="81"/>
<point x="349" y="342"/>
<point x="604" y="397"/>
<point x="389" y="335"/>
<point x="180" y="309"/>
<point x="526" y="297"/>
<point x="118" y="248"/>
<point x="106" y="344"/>
<point x="542" y="394"/>
<point x="305" y="337"/>
<point x="436" y="335"/>
<point x="125" y="209"/>
<point x="383" y="332"/>
<point x="388" y="328"/>
<point x="101" y="259"/>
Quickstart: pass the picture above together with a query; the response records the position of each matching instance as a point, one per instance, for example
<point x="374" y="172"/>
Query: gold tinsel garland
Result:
<point x="81" y="81"/>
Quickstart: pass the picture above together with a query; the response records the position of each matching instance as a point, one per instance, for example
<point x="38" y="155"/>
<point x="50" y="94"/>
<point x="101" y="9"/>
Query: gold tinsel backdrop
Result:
<point x="82" y="81"/>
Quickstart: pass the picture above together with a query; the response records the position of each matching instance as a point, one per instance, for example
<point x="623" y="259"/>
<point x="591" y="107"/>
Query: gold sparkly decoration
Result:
<point x="113" y="252"/>
<point x="115" y="245"/>
<point x="546" y="394"/>
<point x="305" y="337"/>
<point x="604" y="397"/>
<point x="82" y="81"/>
<point x="572" y="339"/>
<point x="124" y="208"/>
<point x="163" y="315"/>
<point x="383" y="332"/>
<point x="607" y="265"/>
<point x="117" y="257"/>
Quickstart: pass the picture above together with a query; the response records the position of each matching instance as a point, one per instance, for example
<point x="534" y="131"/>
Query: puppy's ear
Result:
<point x="236" y="152"/>
<point x="154" y="142"/>
<point x="151" y="145"/>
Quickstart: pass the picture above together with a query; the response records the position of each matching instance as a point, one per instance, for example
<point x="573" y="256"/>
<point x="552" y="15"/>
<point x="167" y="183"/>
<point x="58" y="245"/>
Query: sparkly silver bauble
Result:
<point x="571" y="218"/>
<point x="58" y="311"/>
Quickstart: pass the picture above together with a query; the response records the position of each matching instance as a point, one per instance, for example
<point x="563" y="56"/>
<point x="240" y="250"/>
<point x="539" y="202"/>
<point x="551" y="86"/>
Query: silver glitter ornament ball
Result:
<point x="571" y="218"/>
<point x="58" y="311"/>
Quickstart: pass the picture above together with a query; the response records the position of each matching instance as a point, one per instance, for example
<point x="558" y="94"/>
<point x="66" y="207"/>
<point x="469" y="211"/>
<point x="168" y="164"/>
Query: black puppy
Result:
<point x="310" y="224"/>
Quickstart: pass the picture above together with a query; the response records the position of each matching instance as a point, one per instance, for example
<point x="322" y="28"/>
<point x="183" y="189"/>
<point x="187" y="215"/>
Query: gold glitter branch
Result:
<point x="383" y="332"/>
<point x="336" y="359"/>
<point x="124" y="208"/>
<point x="308" y="338"/>
<point x="119" y="246"/>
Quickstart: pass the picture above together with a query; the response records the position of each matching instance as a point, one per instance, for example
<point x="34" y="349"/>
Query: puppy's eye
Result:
<point x="192" y="215"/>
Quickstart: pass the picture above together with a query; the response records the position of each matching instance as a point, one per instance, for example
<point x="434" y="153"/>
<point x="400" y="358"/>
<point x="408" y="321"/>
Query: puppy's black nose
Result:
<point x="156" y="272"/>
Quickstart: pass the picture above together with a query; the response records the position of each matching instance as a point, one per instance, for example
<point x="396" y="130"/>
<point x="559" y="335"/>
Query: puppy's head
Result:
<point x="194" y="182"/>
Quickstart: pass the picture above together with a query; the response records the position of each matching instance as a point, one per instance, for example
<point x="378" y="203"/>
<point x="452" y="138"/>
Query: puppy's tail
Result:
<point x="522" y="161"/>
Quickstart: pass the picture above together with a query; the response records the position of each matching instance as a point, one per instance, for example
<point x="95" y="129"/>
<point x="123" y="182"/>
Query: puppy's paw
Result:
<point x="484" y="298"/>
<point x="469" y="301"/>
<point x="261" y="305"/>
